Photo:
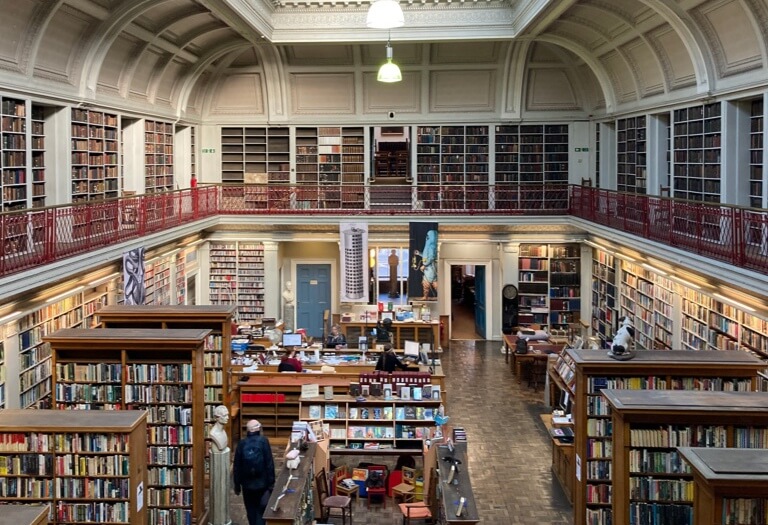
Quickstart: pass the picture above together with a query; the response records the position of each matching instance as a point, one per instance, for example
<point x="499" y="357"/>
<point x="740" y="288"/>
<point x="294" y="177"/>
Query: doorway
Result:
<point x="313" y="297"/>
<point x="391" y="155"/>
<point x="467" y="305"/>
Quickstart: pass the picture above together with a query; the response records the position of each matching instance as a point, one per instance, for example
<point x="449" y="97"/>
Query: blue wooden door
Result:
<point x="480" y="301"/>
<point x="313" y="297"/>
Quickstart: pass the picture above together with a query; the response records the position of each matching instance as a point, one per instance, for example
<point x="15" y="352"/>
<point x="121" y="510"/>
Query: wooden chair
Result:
<point x="339" y="475"/>
<point x="422" y="510"/>
<point x="328" y="503"/>
<point x="538" y="373"/>
<point x="378" y="491"/>
<point x="407" y="488"/>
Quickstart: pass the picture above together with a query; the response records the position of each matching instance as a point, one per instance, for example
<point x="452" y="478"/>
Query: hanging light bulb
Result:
<point x="389" y="72"/>
<point x="385" y="14"/>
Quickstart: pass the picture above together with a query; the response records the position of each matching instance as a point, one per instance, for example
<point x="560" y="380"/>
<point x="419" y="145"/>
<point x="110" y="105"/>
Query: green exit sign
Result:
<point x="580" y="149"/>
<point x="208" y="150"/>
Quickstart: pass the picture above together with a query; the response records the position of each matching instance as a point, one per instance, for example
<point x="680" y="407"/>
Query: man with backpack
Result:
<point x="254" y="472"/>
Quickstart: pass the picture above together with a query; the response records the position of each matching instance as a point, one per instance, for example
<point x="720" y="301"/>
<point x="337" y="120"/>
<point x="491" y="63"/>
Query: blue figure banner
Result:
<point x="422" y="278"/>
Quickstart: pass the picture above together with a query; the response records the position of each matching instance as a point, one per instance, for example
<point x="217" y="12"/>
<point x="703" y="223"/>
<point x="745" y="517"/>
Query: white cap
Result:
<point x="253" y="426"/>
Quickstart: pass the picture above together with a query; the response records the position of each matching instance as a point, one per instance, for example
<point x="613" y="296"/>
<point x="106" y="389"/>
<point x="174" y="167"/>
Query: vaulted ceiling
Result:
<point x="184" y="57"/>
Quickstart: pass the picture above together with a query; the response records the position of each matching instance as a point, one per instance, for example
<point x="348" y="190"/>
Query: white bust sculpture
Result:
<point x="218" y="432"/>
<point x="288" y="295"/>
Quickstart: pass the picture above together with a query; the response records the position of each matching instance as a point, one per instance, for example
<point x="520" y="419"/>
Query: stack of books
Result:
<point x="459" y="435"/>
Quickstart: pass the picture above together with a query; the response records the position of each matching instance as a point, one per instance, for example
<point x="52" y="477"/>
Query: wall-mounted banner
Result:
<point x="133" y="276"/>
<point x="354" y="262"/>
<point x="422" y="279"/>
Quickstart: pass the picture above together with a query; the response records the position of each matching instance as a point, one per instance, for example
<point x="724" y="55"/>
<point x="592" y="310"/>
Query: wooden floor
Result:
<point x="509" y="448"/>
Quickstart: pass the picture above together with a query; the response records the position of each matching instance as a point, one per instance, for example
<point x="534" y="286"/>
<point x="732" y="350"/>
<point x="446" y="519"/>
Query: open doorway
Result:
<point x="391" y="147"/>
<point x="467" y="301"/>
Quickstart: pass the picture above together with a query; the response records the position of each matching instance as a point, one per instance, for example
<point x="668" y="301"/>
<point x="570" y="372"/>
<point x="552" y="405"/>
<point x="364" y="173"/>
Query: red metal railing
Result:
<point x="31" y="238"/>
<point x="727" y="233"/>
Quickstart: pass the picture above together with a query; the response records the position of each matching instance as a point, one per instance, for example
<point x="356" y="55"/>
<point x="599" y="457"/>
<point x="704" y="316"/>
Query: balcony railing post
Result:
<point x="739" y="245"/>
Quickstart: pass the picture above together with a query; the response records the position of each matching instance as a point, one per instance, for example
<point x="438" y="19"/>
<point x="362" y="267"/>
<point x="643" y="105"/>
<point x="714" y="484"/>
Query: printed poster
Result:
<point x="422" y="277"/>
<point x="354" y="262"/>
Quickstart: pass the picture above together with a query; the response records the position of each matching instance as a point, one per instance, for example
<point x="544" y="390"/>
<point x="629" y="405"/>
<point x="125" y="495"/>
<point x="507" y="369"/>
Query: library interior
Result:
<point x="496" y="262"/>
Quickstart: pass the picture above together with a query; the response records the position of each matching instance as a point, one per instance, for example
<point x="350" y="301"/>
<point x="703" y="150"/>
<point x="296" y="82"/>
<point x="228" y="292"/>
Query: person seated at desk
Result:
<point x="335" y="338"/>
<point x="384" y="331"/>
<point x="289" y="362"/>
<point x="388" y="360"/>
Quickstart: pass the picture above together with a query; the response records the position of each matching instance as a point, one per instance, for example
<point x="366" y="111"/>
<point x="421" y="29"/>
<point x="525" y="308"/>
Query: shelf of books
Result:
<point x="86" y="467"/>
<point x="604" y="294"/>
<point x="549" y="284"/>
<point x="255" y="155"/>
<point x="180" y="263"/>
<point x="237" y="277"/>
<point x="636" y="303"/>
<point x="94" y="156"/>
<point x="756" y="145"/>
<point x="729" y="485"/>
<point x="375" y="424"/>
<point x="587" y="373"/>
<point x="651" y="482"/>
<point x="15" y="194"/>
<point x="630" y="151"/>
<point x="216" y="359"/>
<point x="457" y="157"/>
<point x="564" y="285"/>
<point x="158" y="156"/>
<point x="696" y="157"/>
<point x="160" y="371"/>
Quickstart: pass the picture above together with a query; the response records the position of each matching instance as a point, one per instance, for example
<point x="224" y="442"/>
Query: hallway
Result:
<point x="510" y="453"/>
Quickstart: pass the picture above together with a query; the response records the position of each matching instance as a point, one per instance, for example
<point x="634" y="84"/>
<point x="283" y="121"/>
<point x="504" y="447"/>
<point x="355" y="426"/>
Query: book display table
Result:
<point x="450" y="493"/>
<point x="292" y="501"/>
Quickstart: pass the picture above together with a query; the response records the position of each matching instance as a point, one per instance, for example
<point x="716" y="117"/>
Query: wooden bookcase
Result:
<point x="397" y="425"/>
<point x="631" y="159"/>
<point x="255" y="155"/>
<point x="507" y="159"/>
<point x="158" y="156"/>
<point x="419" y="331"/>
<point x="86" y="466"/>
<point x="95" y="173"/>
<point x="237" y="277"/>
<point x="160" y="371"/>
<point x="729" y="485"/>
<point x="22" y="184"/>
<point x="217" y="356"/>
<point x="605" y="315"/>
<point x="756" y="130"/>
<point x="651" y="483"/>
<point x="549" y="284"/>
<point x="586" y="372"/>
<point x="696" y="160"/>
<point x="457" y="156"/>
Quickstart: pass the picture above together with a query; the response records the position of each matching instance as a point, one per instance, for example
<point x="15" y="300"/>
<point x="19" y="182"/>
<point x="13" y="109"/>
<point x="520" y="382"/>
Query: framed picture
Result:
<point x="392" y="130"/>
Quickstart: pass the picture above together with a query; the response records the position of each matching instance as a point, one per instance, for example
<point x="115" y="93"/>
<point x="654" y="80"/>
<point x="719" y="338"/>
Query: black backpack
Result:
<point x="521" y="345"/>
<point x="375" y="479"/>
<point x="253" y="458"/>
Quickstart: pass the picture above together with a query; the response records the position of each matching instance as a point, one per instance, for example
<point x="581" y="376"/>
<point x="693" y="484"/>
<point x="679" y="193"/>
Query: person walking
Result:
<point x="254" y="472"/>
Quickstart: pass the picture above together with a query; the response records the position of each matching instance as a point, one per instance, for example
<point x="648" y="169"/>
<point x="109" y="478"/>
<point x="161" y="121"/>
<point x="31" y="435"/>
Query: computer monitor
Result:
<point x="411" y="349"/>
<point x="291" y="340"/>
<point x="565" y="402"/>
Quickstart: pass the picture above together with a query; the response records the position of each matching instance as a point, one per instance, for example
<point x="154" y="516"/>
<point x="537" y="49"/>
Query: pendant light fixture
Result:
<point x="389" y="72"/>
<point x="385" y="14"/>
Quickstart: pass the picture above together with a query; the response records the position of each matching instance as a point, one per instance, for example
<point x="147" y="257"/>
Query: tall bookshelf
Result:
<point x="3" y="368"/>
<point x="756" y="144"/>
<point x="604" y="296"/>
<point x="237" y="277"/>
<point x="255" y="155"/>
<point x="585" y="373"/>
<point x="636" y="303"/>
<point x="631" y="165"/>
<point x="507" y="158"/>
<point x="158" y="156"/>
<point x="160" y="371"/>
<point x="15" y="194"/>
<point x="457" y="157"/>
<point x="651" y="482"/>
<point x="37" y="152"/>
<point x="549" y="284"/>
<point x="216" y="359"/>
<point x="95" y="173"/>
<point x="697" y="141"/>
<point x="729" y="485"/>
<point x="378" y="424"/>
<point x="86" y="467"/>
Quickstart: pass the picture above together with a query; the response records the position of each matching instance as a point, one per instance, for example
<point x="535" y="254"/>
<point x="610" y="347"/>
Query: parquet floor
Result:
<point x="510" y="455"/>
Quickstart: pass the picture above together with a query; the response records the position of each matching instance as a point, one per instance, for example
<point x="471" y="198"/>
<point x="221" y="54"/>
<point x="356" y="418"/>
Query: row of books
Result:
<point x="408" y="412"/>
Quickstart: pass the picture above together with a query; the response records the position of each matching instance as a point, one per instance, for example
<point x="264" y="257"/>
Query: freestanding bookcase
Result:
<point x="585" y="373"/>
<point x="651" y="482"/>
<point x="160" y="371"/>
<point x="729" y="485"/>
<point x="217" y="356"/>
<point x="86" y="466"/>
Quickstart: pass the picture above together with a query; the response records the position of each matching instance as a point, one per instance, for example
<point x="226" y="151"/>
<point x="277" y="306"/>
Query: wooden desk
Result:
<point x="450" y="493"/>
<point x="535" y="352"/>
<point x="296" y="505"/>
<point x="563" y="460"/>
<point x="419" y="331"/>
